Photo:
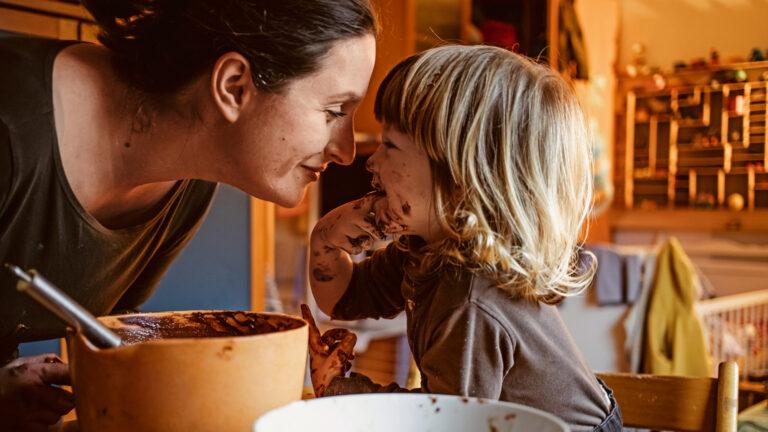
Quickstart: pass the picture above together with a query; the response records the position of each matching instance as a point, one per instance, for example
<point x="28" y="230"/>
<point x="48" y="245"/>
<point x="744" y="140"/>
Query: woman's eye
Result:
<point x="333" y="114"/>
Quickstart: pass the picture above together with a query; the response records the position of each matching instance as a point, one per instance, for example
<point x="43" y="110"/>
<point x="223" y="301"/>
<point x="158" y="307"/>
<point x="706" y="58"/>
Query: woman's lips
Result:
<point x="313" y="172"/>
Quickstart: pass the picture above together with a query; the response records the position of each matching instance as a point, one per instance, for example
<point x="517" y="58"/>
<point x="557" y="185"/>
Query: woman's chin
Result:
<point x="290" y="199"/>
<point x="284" y="197"/>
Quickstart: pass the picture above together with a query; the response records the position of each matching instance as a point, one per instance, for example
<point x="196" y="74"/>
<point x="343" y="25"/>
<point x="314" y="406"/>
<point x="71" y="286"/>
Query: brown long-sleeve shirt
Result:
<point x="473" y="339"/>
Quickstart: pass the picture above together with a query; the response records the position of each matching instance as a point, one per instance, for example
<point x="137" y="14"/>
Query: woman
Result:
<point x="109" y="156"/>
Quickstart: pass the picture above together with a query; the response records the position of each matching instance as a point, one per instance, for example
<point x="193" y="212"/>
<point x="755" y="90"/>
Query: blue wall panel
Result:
<point x="213" y="272"/>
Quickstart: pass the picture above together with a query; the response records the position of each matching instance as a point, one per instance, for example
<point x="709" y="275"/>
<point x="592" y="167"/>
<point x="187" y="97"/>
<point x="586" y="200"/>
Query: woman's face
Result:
<point x="288" y="138"/>
<point x="401" y="170"/>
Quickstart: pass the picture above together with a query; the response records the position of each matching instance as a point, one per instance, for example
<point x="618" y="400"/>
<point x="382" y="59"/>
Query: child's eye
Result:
<point x="332" y="114"/>
<point x="388" y="144"/>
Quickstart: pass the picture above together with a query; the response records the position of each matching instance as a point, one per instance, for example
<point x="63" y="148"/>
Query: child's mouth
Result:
<point x="377" y="188"/>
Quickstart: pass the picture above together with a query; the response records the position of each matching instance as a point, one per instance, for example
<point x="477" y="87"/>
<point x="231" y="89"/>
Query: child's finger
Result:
<point x="333" y="336"/>
<point x="359" y="243"/>
<point x="372" y="223"/>
<point x="345" y="351"/>
<point x="315" y="340"/>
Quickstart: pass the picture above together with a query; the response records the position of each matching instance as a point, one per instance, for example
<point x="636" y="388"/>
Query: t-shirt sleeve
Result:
<point x="6" y="166"/>
<point x="374" y="290"/>
<point x="144" y="286"/>
<point x="469" y="355"/>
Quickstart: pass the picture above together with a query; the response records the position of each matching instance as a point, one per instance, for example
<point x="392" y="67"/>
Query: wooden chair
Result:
<point x="675" y="403"/>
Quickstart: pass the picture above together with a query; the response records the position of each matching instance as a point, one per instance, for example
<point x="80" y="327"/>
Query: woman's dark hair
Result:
<point x="159" y="46"/>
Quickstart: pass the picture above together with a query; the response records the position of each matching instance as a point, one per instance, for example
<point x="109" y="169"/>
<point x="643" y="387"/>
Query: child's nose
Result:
<point x="372" y="164"/>
<point x="369" y="164"/>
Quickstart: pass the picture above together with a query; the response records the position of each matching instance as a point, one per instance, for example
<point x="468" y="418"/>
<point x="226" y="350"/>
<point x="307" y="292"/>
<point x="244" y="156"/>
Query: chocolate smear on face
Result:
<point x="376" y="185"/>
<point x="322" y="275"/>
<point x="406" y="209"/>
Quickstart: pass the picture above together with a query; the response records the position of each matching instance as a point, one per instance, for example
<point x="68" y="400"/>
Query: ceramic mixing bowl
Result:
<point x="404" y="412"/>
<point x="188" y="371"/>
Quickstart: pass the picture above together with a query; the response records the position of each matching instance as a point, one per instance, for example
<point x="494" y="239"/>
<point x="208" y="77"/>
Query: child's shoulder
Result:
<point x="463" y="288"/>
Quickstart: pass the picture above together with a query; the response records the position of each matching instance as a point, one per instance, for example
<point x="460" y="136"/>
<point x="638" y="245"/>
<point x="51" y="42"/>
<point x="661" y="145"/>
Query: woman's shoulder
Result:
<point x="25" y="77"/>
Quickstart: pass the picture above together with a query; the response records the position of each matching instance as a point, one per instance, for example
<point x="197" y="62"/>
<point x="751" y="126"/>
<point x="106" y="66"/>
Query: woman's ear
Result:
<point x="232" y="85"/>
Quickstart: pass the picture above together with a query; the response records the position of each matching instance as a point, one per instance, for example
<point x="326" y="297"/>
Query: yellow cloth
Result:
<point x="674" y="343"/>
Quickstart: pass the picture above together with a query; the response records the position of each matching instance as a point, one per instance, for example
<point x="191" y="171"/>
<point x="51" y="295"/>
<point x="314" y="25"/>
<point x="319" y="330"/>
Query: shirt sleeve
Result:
<point x="374" y="290"/>
<point x="470" y="355"/>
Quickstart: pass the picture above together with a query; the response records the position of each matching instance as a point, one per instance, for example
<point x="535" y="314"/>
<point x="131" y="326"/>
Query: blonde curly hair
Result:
<point x="510" y="155"/>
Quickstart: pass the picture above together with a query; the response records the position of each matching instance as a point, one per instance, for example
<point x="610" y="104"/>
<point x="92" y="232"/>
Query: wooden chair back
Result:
<point x="676" y="403"/>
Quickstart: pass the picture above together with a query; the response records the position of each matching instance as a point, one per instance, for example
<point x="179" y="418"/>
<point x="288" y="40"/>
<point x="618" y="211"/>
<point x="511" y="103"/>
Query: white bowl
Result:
<point x="403" y="412"/>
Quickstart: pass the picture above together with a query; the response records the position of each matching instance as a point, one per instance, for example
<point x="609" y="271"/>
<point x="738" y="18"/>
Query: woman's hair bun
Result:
<point x="160" y="45"/>
<point x="134" y="31"/>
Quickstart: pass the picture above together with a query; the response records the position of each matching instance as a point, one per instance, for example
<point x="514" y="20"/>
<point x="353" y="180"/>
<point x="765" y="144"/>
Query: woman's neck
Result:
<point x="120" y="153"/>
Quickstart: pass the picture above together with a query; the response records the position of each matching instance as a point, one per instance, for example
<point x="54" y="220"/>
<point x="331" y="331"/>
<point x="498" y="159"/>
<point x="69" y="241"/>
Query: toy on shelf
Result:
<point x="735" y="202"/>
<point x="756" y="55"/>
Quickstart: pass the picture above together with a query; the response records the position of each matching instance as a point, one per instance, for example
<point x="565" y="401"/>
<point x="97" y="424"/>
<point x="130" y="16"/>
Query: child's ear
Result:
<point x="232" y="85"/>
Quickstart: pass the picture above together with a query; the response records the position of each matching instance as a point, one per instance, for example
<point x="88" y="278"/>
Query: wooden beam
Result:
<point x="262" y="251"/>
<point x="48" y="7"/>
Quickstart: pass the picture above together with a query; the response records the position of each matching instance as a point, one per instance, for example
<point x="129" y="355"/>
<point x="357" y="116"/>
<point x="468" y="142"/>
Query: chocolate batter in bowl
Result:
<point x="183" y="371"/>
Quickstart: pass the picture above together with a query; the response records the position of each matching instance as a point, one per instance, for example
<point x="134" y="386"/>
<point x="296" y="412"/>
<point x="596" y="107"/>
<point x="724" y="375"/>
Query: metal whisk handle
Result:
<point x="56" y="301"/>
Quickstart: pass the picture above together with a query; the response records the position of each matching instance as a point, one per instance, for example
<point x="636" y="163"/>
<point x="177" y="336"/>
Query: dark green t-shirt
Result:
<point x="43" y="226"/>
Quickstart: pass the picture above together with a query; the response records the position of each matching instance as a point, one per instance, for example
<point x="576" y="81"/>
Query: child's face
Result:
<point x="401" y="170"/>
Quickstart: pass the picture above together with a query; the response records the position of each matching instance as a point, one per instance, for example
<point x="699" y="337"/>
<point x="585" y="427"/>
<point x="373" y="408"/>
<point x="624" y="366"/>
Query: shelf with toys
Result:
<point x="695" y="139"/>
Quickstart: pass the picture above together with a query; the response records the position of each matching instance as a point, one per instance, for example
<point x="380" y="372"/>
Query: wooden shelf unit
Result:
<point x="699" y="141"/>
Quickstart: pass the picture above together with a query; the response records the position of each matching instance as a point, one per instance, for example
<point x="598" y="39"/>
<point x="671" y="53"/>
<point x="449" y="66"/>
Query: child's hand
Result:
<point x="347" y="230"/>
<point x="330" y="355"/>
<point x="354" y="226"/>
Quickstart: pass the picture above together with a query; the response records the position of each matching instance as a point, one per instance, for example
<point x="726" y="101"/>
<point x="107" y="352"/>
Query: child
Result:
<point x="484" y="177"/>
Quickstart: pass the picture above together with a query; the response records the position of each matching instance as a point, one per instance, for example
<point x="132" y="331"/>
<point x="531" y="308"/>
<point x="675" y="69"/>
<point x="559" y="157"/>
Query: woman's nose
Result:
<point x="341" y="149"/>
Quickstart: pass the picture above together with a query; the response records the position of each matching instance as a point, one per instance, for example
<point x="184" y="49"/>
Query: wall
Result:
<point x="597" y="330"/>
<point x="213" y="271"/>
<point x="683" y="29"/>
<point x="600" y="27"/>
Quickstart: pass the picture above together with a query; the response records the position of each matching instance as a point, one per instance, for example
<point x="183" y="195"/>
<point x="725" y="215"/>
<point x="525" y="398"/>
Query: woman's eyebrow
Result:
<point x="346" y="96"/>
